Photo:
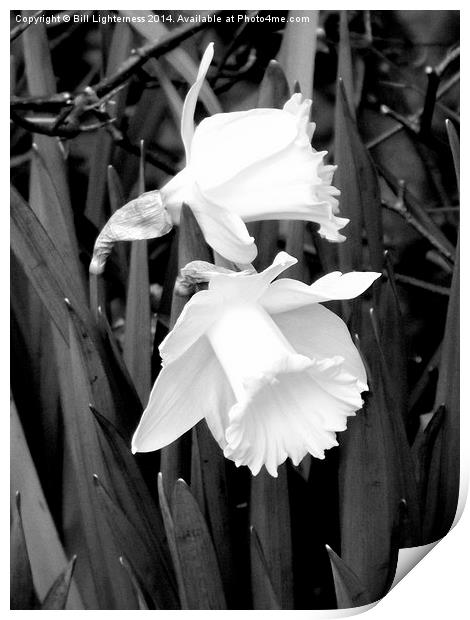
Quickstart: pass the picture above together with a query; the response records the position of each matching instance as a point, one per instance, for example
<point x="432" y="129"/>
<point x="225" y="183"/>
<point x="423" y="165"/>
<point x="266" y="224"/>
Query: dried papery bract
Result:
<point x="144" y="217"/>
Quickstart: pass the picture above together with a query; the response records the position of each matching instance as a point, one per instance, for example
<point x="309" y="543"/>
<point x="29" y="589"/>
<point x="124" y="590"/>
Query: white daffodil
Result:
<point x="274" y="373"/>
<point x="242" y="167"/>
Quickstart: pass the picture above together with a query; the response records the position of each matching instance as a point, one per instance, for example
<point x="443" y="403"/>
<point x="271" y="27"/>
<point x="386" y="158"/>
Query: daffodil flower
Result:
<point x="242" y="167"/>
<point x="274" y="373"/>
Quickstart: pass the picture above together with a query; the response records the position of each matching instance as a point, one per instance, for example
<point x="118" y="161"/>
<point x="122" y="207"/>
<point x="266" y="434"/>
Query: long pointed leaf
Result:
<point x="46" y="553"/>
<point x="133" y="544"/>
<point x="94" y="209"/>
<point x="297" y="56"/>
<point x="264" y="580"/>
<point x="216" y="502"/>
<point x="50" y="196"/>
<point x="360" y="197"/>
<point x="345" y="65"/>
<point x="199" y="567"/>
<point x="455" y="148"/>
<point x="178" y="58"/>
<point x="176" y="458"/>
<point x="58" y="594"/>
<point x="270" y="516"/>
<point x="137" y="341"/>
<point x="86" y="533"/>
<point x="349" y="590"/>
<point x="22" y="592"/>
<point x="444" y="474"/>
<point x="376" y="472"/>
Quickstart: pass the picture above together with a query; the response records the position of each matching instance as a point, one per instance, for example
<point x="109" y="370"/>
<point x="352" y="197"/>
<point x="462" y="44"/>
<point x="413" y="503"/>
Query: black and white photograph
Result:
<point x="235" y="306"/>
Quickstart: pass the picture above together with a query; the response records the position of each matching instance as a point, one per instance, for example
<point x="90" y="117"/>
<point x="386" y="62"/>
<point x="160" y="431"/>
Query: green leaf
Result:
<point x="175" y="103"/>
<point x="376" y="471"/>
<point x="100" y="578"/>
<point x="139" y="551"/>
<point x="270" y="516"/>
<point x="171" y="538"/>
<point x="274" y="89"/>
<point x="22" y="592"/>
<point x="121" y="383"/>
<point x="58" y="594"/>
<point x="121" y="44"/>
<point x="199" y="568"/>
<point x="356" y="177"/>
<point x="298" y="49"/>
<point x="345" y="65"/>
<point x="349" y="590"/>
<point x="116" y="201"/>
<point x="455" y="148"/>
<point x="261" y="568"/>
<point x="422" y="450"/>
<point x="54" y="211"/>
<point x="210" y="466"/>
<point x="34" y="383"/>
<point x="176" y="458"/>
<point x="137" y="340"/>
<point x="109" y="393"/>
<point x="43" y="264"/>
<point x="49" y="191"/>
<point x="393" y="340"/>
<point x="47" y="557"/>
<point x="297" y="56"/>
<point x="408" y="522"/>
<point x="131" y="493"/>
<point x="444" y="472"/>
<point x="142" y="597"/>
<point x="178" y="58"/>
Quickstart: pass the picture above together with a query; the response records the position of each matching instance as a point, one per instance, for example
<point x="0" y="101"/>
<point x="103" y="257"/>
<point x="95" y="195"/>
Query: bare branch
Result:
<point x="129" y="67"/>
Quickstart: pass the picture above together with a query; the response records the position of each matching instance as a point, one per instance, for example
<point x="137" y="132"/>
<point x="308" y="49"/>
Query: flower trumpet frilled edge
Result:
<point x="274" y="373"/>
<point x="240" y="167"/>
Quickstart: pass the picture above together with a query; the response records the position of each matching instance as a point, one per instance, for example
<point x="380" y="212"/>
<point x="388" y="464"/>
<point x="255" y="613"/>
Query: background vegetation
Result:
<point x="95" y="114"/>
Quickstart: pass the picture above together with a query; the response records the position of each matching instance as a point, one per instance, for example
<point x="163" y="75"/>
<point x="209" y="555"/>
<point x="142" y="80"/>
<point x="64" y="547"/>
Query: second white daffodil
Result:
<point x="274" y="373"/>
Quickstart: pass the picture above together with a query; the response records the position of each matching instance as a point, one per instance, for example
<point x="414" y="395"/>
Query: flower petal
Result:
<point x="189" y="106"/>
<point x="225" y="144"/>
<point x="288" y="417"/>
<point x="204" y="308"/>
<point x="288" y="294"/>
<point x="238" y="285"/>
<point x="180" y="398"/>
<point x="316" y="332"/>
<point x="195" y="319"/>
<point x="223" y="230"/>
<point x="292" y="184"/>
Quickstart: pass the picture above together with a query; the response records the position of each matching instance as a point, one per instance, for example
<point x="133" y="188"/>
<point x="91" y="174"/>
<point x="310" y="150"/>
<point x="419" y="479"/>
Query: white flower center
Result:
<point x="250" y="347"/>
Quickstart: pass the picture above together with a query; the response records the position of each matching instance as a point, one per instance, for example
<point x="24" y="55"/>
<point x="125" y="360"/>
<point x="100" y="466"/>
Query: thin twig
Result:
<point x="451" y="56"/>
<point x="52" y="103"/>
<point x="408" y="217"/>
<point x="438" y="210"/>
<point x="48" y="128"/>
<point x="412" y="123"/>
<point x="401" y="209"/>
<point x="120" y="139"/>
<point x="428" y="286"/>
